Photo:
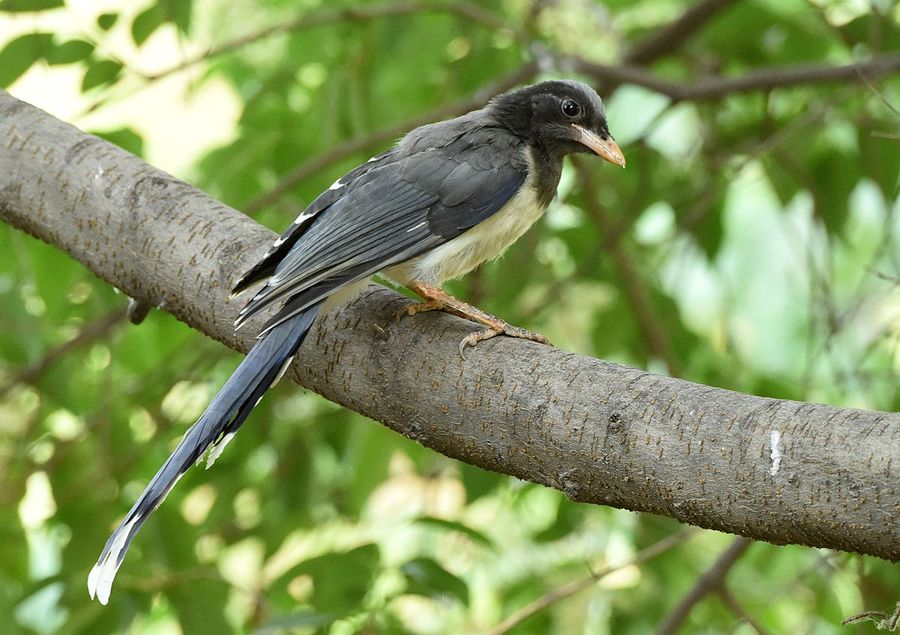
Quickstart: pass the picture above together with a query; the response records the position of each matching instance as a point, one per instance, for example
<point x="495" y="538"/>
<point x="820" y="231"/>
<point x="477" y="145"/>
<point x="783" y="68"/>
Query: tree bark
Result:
<point x="775" y="470"/>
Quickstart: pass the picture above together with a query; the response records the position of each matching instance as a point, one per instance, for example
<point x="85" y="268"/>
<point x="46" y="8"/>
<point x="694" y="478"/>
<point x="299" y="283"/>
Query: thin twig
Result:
<point x="882" y="620"/>
<point x="738" y="609"/>
<point x="575" y="586"/>
<point x="466" y="10"/>
<point x="89" y="332"/>
<point x="715" y="88"/>
<point x="711" y="580"/>
<point x="705" y="89"/>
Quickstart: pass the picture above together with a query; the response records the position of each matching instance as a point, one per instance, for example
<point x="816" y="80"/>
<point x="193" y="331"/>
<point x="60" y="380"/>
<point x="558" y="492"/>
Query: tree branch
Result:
<point x="708" y="89"/>
<point x="712" y="580"/>
<point x="775" y="470"/>
<point x="473" y="12"/>
<point x="89" y="332"/>
<point x="716" y="88"/>
<point x="571" y="588"/>
<point x="670" y="37"/>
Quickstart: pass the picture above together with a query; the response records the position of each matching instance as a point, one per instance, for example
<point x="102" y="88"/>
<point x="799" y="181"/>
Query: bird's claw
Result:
<point x="503" y="328"/>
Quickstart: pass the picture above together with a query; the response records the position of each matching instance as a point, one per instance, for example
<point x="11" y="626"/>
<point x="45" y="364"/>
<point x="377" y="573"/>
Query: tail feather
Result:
<point x="263" y="366"/>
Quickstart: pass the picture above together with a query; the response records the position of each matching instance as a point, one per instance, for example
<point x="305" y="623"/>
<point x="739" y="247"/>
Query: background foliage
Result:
<point x="752" y="244"/>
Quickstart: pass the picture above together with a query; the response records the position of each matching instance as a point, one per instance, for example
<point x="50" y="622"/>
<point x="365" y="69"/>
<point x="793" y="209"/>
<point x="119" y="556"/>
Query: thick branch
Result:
<point x="775" y="470"/>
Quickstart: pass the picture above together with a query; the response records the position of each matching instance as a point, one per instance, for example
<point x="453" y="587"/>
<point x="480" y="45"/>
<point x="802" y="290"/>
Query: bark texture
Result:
<point x="774" y="470"/>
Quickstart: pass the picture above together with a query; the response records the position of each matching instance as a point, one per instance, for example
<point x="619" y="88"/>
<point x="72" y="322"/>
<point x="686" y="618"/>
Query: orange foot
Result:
<point x="437" y="299"/>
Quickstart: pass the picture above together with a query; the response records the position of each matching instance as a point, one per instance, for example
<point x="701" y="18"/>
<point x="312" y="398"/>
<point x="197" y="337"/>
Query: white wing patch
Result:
<point x="305" y="216"/>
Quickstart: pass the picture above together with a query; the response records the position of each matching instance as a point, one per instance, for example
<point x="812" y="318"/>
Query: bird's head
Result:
<point x="562" y="116"/>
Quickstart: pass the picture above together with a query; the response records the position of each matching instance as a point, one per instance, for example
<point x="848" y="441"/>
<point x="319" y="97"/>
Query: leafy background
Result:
<point x="751" y="244"/>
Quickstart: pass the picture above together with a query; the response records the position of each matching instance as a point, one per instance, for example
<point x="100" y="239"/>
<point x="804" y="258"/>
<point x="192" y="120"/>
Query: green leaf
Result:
<point x="99" y="73"/>
<point x="106" y="20"/>
<point x="880" y="157"/>
<point x="293" y="622"/>
<point x="475" y="535"/>
<point x="69" y="52"/>
<point x="569" y="516"/>
<point x="199" y="606"/>
<point x="341" y="580"/>
<point x="478" y="482"/>
<point x="178" y="12"/>
<point x="146" y="22"/>
<point x="125" y="138"/>
<point x="17" y="6"/>
<point x="18" y="56"/>
<point x="836" y="173"/>
<point x="426" y="577"/>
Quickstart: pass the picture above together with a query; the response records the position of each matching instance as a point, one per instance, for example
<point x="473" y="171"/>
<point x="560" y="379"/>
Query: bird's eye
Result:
<point x="571" y="108"/>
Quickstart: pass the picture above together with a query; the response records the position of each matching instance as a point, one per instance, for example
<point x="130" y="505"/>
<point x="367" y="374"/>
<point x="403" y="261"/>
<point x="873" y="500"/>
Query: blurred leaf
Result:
<point x="341" y="580"/>
<point x="569" y="516"/>
<point x="426" y="577"/>
<point x="146" y="22"/>
<point x="14" y="6"/>
<point x="99" y="73"/>
<point x="125" y="138"/>
<point x="479" y="482"/>
<point x="862" y="29"/>
<point x="880" y="159"/>
<point x="294" y="621"/>
<point x="836" y="173"/>
<point x="69" y="52"/>
<point x="451" y="525"/>
<point x="106" y="21"/>
<point x="199" y="606"/>
<point x="178" y="12"/>
<point x="19" y="54"/>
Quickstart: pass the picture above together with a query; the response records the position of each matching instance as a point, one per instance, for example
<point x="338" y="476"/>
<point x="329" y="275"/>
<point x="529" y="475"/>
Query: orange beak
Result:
<point x="604" y="148"/>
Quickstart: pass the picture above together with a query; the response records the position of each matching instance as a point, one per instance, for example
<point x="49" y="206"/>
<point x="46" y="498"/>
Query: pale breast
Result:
<point x="486" y="241"/>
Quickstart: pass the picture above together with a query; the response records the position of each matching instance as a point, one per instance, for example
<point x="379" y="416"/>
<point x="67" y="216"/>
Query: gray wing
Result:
<point x="437" y="183"/>
<point x="279" y="249"/>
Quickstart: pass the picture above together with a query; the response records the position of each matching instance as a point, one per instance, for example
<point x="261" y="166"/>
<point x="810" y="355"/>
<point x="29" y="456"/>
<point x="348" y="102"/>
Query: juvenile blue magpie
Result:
<point x="446" y="198"/>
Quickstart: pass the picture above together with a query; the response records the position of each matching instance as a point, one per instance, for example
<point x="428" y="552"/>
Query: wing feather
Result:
<point x="431" y="188"/>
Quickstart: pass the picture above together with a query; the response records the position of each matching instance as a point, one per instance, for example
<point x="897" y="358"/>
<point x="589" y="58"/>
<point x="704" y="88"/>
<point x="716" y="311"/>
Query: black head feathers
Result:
<point x="560" y="117"/>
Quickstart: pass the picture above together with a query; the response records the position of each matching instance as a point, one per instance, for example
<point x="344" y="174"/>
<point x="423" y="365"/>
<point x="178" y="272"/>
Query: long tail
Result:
<point x="263" y="366"/>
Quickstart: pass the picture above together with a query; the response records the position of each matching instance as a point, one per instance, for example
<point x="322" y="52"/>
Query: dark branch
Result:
<point x="715" y="88"/>
<point x="712" y="580"/>
<point x="670" y="37"/>
<point x="775" y="470"/>
<point x="89" y="332"/>
<point x="708" y="89"/>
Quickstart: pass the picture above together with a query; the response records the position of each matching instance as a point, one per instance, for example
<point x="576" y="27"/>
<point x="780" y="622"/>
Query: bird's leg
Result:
<point x="438" y="299"/>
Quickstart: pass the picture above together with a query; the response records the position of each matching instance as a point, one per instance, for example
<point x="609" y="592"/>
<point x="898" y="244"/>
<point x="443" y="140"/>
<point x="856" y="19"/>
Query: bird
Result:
<point x="445" y="198"/>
